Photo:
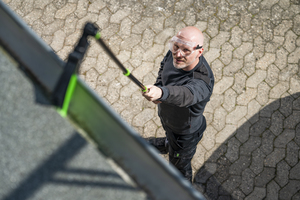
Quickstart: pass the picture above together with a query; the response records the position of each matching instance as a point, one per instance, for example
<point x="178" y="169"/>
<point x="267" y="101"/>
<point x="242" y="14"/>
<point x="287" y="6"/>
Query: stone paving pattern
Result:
<point x="250" y="149"/>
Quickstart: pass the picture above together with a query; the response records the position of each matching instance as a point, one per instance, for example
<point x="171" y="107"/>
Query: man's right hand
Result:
<point x="153" y="94"/>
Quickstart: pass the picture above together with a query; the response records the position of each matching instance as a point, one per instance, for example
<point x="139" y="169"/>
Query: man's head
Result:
<point x="186" y="48"/>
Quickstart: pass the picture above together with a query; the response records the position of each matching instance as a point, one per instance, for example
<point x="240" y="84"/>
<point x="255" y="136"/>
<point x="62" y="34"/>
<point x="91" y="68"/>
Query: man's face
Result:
<point x="184" y="53"/>
<point x="181" y="62"/>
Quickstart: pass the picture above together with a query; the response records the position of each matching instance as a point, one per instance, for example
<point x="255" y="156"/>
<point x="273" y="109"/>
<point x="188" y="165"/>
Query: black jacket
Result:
<point x="185" y="94"/>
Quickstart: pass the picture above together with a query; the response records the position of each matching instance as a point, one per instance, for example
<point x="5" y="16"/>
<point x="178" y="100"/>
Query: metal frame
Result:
<point x="93" y="117"/>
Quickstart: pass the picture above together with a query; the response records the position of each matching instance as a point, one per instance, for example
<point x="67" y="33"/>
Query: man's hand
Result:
<point x="153" y="94"/>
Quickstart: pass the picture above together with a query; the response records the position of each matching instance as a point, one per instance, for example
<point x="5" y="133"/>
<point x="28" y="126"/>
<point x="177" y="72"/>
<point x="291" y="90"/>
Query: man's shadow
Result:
<point x="260" y="159"/>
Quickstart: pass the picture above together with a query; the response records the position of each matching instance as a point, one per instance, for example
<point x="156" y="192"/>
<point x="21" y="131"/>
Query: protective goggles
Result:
<point x="186" y="48"/>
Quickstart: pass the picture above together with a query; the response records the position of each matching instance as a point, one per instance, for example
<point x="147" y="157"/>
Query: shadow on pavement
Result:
<point x="44" y="174"/>
<point x="260" y="159"/>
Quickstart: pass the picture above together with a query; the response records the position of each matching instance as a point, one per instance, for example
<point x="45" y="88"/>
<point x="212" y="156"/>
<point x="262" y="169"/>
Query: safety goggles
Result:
<point x="186" y="48"/>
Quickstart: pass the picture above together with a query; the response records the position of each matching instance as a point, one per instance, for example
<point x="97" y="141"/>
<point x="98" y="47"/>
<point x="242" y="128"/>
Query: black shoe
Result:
<point x="161" y="144"/>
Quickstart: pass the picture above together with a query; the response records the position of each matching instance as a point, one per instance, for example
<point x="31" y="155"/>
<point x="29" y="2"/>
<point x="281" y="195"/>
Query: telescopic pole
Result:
<point x="126" y="72"/>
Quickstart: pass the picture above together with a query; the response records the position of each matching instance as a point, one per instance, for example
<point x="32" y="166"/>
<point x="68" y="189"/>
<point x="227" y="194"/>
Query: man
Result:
<point x="183" y="87"/>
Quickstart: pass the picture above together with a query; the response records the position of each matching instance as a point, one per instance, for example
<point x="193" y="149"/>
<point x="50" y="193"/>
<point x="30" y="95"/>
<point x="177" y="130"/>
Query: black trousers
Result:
<point x="182" y="148"/>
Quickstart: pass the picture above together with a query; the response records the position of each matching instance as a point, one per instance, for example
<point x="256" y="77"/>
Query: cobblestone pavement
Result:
<point x="250" y="149"/>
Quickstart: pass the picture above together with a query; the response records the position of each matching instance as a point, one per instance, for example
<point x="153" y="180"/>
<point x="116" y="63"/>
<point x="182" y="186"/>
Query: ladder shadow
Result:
<point x="45" y="173"/>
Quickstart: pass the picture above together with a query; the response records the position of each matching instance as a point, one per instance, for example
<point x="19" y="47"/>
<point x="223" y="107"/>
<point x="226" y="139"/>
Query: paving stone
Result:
<point x="33" y="16"/>
<point x="274" y="44"/>
<point x="248" y="147"/>
<point x="222" y="172"/>
<point x="221" y="86"/>
<point x="233" y="67"/>
<point x="107" y="77"/>
<point x="283" y="27"/>
<point x="258" y="193"/>
<point x="249" y="64"/>
<point x="130" y="42"/>
<point x="174" y="19"/>
<point x="240" y="82"/>
<point x="286" y="107"/>
<point x="276" y="156"/>
<point x="281" y="60"/>
<point x="291" y="121"/>
<point x="226" y="53"/>
<point x="247" y="181"/>
<point x="229" y="100"/>
<point x="212" y="186"/>
<point x="256" y="78"/>
<point x="294" y="85"/>
<point x="219" y="118"/>
<point x="263" y="93"/>
<point x="198" y="159"/>
<point x="272" y="191"/>
<point x="260" y="126"/>
<point x="285" y="137"/>
<point x="41" y="3"/>
<point x="223" y="10"/>
<point x="264" y="177"/>
<point x="49" y="13"/>
<point x="205" y="172"/>
<point x="212" y="26"/>
<point x="50" y="29"/>
<point x="242" y="50"/>
<point x="296" y="28"/>
<point x="240" y="165"/>
<point x="236" y="115"/>
<point x="267" y="142"/>
<point x="265" y="61"/>
<point x="258" y="50"/>
<point x="292" y="157"/>
<point x="267" y="111"/>
<point x="223" y="135"/>
<point x="58" y="40"/>
<point x="296" y="196"/>
<point x="216" y="100"/>
<point x="294" y="173"/>
<point x="217" y="68"/>
<point x="242" y="133"/>
<point x="65" y="11"/>
<point x="267" y="32"/>
<point x="220" y="39"/>
<point x="296" y="104"/>
<point x="27" y="7"/>
<point x="229" y="23"/>
<point x="290" y="43"/>
<point x="233" y="149"/>
<point x="294" y="56"/>
<point x="81" y="10"/>
<point x="279" y="89"/>
<point x="289" y="190"/>
<point x="253" y="108"/>
<point x="236" y="36"/>
<point x="257" y="163"/>
<point x="247" y="96"/>
<point x="164" y="35"/>
<point x="212" y="54"/>
<point x="214" y="154"/>
<point x="276" y="14"/>
<point x="119" y="15"/>
<point x="230" y="185"/>
<point x="113" y="93"/>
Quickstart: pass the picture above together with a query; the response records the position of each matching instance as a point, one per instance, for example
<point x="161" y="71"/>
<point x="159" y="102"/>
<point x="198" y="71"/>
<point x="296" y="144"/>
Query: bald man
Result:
<point x="183" y="87"/>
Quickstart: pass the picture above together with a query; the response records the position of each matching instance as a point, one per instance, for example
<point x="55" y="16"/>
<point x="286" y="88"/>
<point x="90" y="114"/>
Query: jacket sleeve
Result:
<point x="194" y="91"/>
